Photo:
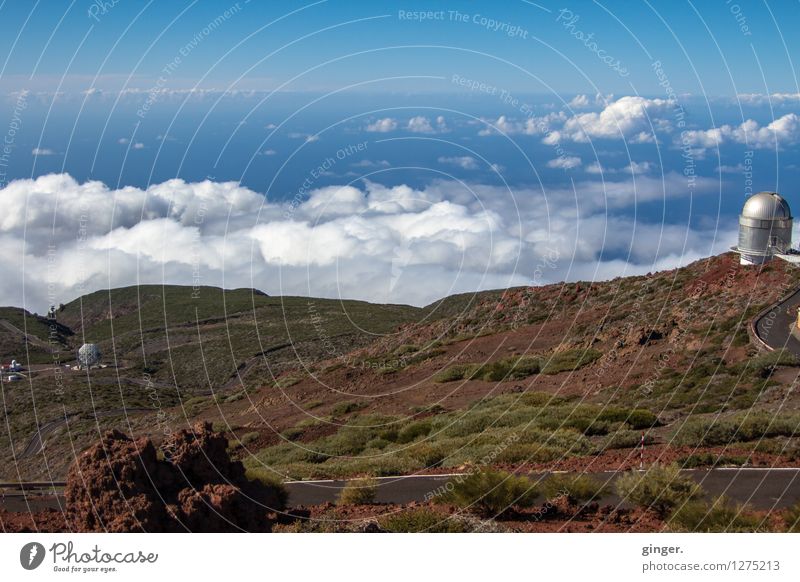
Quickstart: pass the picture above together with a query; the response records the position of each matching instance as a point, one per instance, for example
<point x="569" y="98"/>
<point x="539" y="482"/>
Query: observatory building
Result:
<point x="765" y="229"/>
<point x="88" y="356"/>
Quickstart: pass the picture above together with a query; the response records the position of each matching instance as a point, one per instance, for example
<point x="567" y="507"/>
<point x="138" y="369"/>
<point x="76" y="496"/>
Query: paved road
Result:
<point x="32" y="339"/>
<point x="36" y="443"/>
<point x="773" y="326"/>
<point x="762" y="488"/>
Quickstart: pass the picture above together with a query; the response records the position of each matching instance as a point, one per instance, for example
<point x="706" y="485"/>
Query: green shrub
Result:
<point x="718" y="516"/>
<point x="358" y="492"/>
<point x="515" y="368"/>
<point x="660" y="488"/>
<point x="427" y="455"/>
<point x="292" y="433"/>
<point x="405" y="349"/>
<point x="636" y="419"/>
<point x="576" y="489"/>
<point x="346" y="408"/>
<point x="270" y="480"/>
<point x="529" y="453"/>
<point x="490" y="493"/>
<point x="625" y="439"/>
<point x="739" y="428"/>
<point x="569" y="360"/>
<point x="422" y="520"/>
<point x="413" y="431"/>
<point x="221" y="426"/>
<point x="792" y="518"/>
<point x="236" y="397"/>
<point x="454" y="373"/>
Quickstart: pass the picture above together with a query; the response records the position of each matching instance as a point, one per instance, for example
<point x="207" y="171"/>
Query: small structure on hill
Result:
<point x="765" y="230"/>
<point x="89" y="356"/>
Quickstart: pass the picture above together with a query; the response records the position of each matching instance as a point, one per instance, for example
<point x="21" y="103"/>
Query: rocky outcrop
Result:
<point x="123" y="485"/>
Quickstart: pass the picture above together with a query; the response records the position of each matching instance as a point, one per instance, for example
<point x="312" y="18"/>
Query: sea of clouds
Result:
<point x="60" y="238"/>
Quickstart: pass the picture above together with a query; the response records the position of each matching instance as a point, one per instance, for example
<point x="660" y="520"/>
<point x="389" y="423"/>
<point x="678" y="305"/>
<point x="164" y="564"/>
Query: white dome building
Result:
<point x="89" y="355"/>
<point x="765" y="228"/>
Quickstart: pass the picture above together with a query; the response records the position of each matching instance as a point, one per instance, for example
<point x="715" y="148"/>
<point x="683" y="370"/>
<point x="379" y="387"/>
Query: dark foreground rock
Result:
<point x="124" y="485"/>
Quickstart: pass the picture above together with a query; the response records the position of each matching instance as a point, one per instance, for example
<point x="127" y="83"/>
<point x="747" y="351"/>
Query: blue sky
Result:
<point x="713" y="48"/>
<point x="356" y="149"/>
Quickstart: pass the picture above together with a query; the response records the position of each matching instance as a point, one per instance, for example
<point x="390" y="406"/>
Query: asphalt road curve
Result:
<point x="761" y="488"/>
<point x="773" y="325"/>
<point x="36" y="443"/>
<point x="764" y="489"/>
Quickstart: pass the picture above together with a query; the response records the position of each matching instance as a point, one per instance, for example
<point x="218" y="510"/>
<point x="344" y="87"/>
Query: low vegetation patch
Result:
<point x="576" y="489"/>
<point x="719" y="516"/>
<point x="513" y="428"/>
<point x="518" y="367"/>
<point x="358" y="492"/>
<point x="742" y="427"/>
<point x="659" y="488"/>
<point x="423" y="520"/>
<point x="490" y="493"/>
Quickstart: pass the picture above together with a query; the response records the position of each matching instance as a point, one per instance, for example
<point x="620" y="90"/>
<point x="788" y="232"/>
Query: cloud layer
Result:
<point x="376" y="243"/>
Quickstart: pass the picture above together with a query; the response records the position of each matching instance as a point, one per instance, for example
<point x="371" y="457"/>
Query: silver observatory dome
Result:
<point x="765" y="228"/>
<point x="89" y="355"/>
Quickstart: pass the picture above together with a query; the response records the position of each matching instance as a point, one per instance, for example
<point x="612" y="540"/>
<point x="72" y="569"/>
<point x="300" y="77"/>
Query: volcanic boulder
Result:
<point x="121" y="485"/>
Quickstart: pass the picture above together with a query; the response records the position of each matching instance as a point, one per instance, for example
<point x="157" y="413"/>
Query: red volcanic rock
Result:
<point x="121" y="485"/>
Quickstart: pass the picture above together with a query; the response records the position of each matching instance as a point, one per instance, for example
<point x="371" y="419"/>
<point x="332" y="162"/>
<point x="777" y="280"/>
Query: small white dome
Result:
<point x="766" y="206"/>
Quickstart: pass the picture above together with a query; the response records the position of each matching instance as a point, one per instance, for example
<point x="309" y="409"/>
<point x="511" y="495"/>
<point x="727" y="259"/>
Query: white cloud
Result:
<point x="627" y="118"/>
<point x="640" y="167"/>
<point x="371" y="164"/>
<point x="43" y="152"/>
<point x="123" y="140"/>
<point x="579" y="102"/>
<point x="737" y="169"/>
<point x="138" y="146"/>
<point x="308" y="138"/>
<point x="340" y="242"/>
<point x="463" y="162"/>
<point x="632" y="118"/>
<point x="565" y="163"/>
<point x="268" y="153"/>
<point x="384" y="125"/>
<point x="420" y="124"/>
<point x="766" y="99"/>
<point x="782" y="131"/>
